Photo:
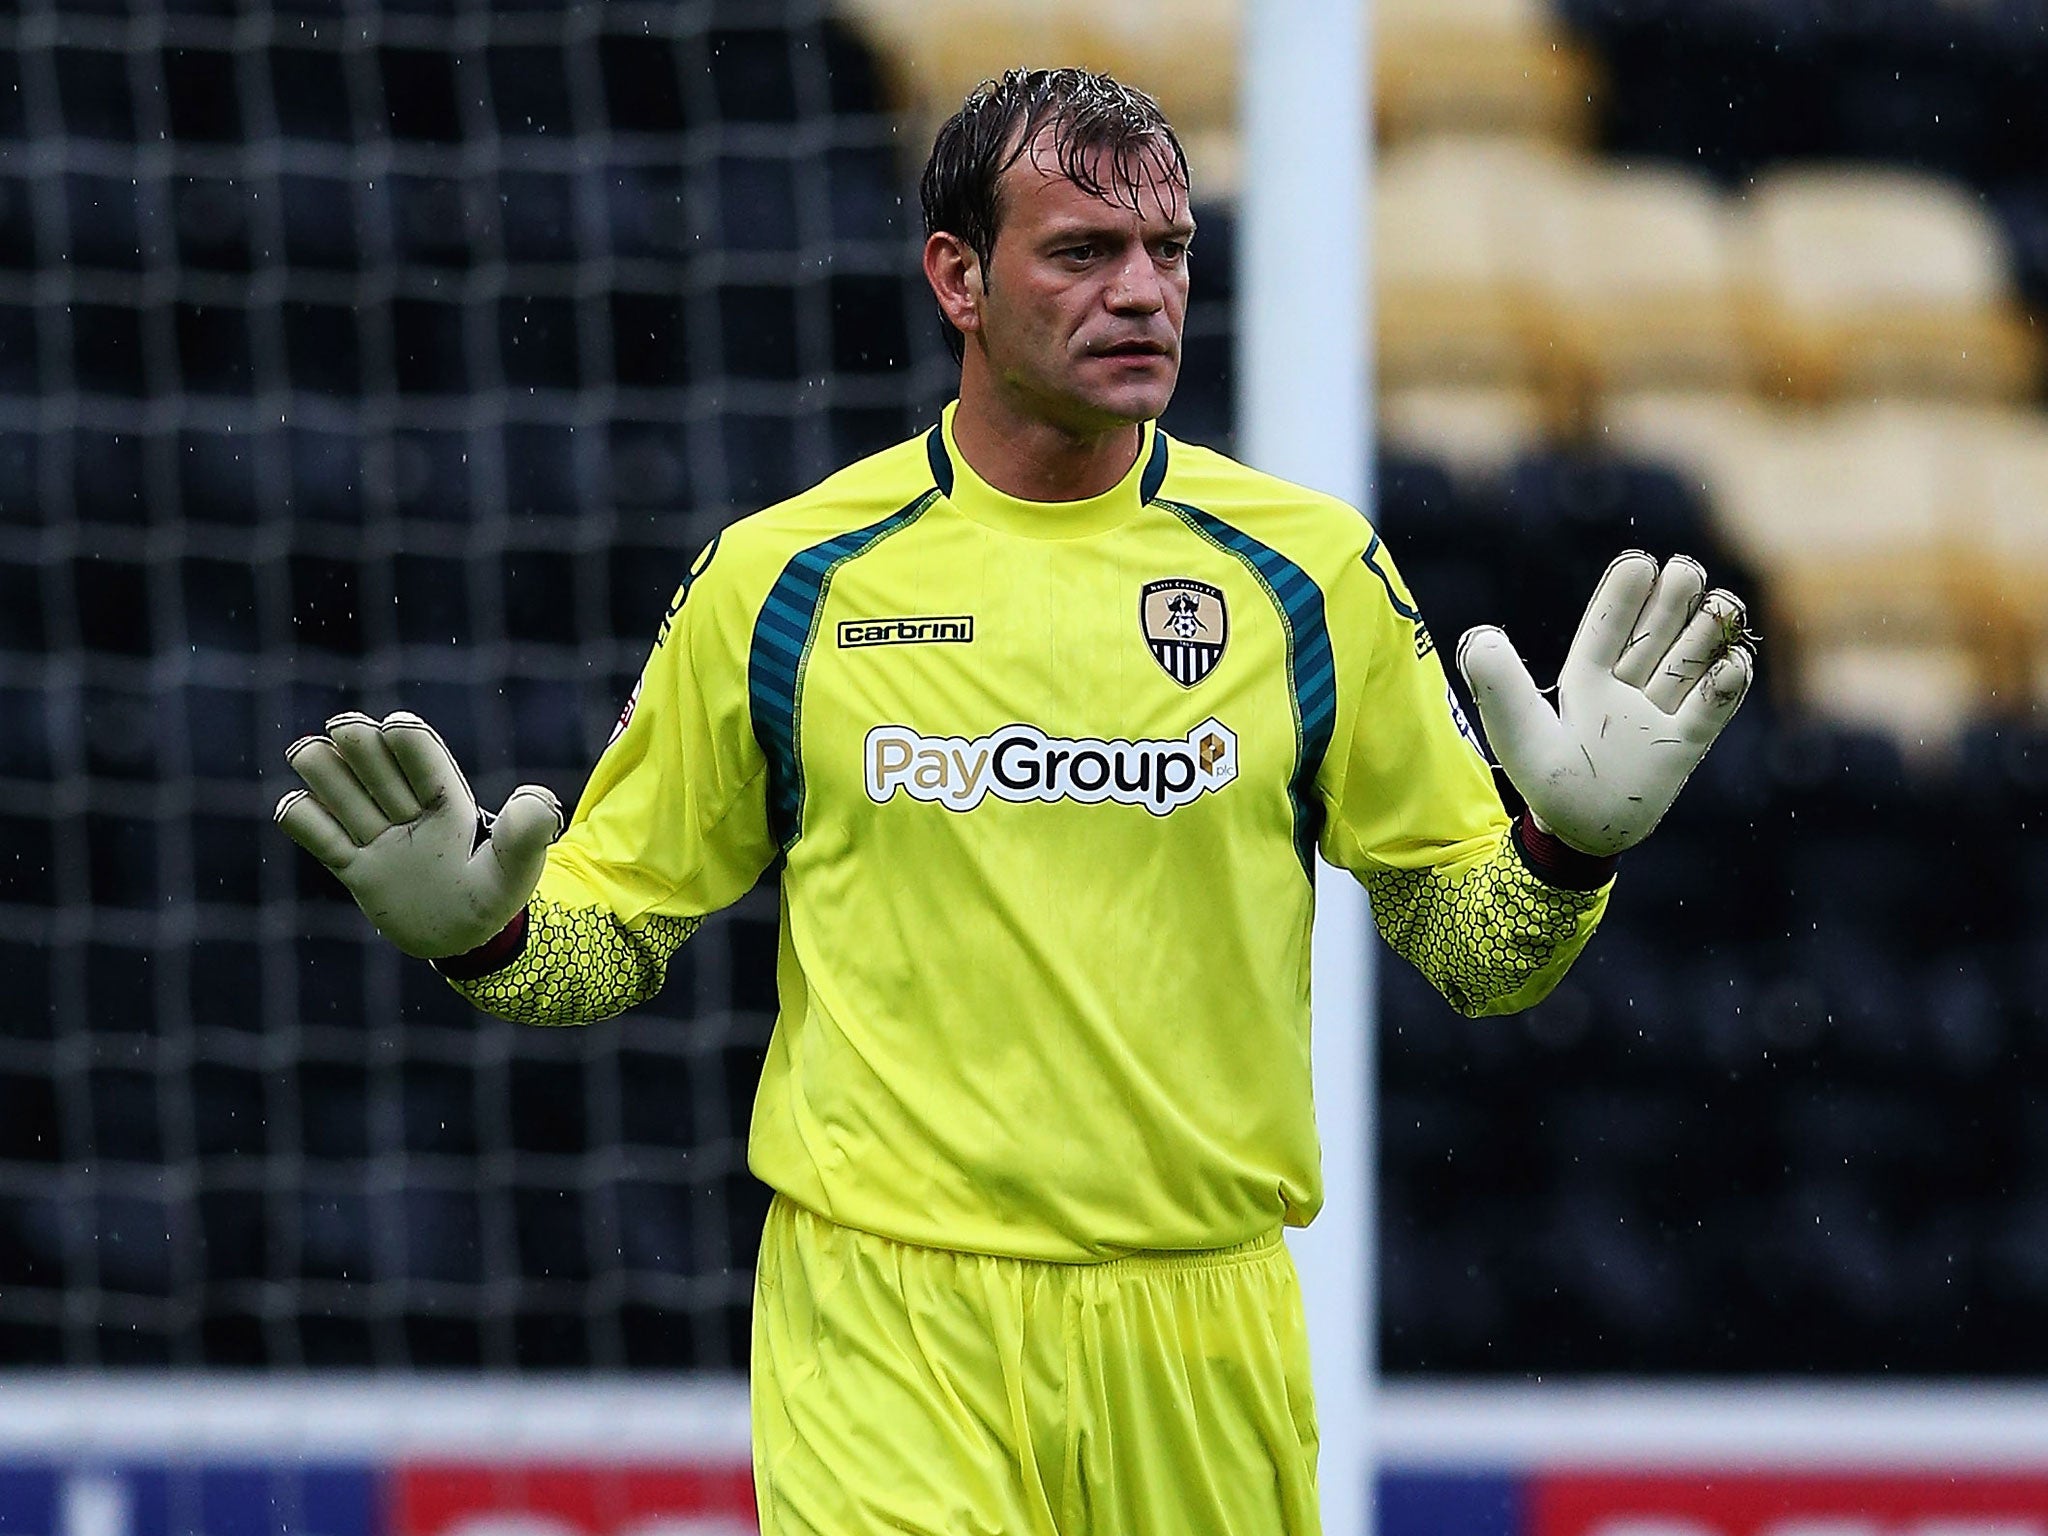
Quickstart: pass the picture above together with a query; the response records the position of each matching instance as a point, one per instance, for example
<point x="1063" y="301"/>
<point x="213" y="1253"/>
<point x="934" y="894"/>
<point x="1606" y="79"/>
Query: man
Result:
<point x="1045" y="717"/>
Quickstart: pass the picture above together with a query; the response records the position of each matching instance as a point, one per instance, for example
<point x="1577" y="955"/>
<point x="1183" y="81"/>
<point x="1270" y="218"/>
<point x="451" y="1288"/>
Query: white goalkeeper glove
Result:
<point x="387" y="809"/>
<point x="1657" y="668"/>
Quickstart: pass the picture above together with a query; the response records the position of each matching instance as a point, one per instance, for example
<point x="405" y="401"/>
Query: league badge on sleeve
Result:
<point x="1186" y="626"/>
<point x="1464" y="725"/>
<point x="626" y="714"/>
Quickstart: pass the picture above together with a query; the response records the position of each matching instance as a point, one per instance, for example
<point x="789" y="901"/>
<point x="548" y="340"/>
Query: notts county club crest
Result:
<point x="1186" y="627"/>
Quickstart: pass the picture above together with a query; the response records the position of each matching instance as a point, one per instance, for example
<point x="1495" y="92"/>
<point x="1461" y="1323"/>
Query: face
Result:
<point x="1080" y="311"/>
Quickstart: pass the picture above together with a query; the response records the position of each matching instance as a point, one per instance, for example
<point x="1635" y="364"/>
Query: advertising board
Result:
<point x="203" y="1457"/>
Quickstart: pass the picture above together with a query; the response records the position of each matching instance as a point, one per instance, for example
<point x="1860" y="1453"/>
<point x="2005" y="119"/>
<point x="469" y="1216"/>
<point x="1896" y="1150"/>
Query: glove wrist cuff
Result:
<point x="494" y="954"/>
<point x="1556" y="862"/>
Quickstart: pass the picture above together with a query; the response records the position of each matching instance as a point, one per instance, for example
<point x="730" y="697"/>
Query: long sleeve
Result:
<point x="573" y="965"/>
<point x="1412" y="811"/>
<point x="672" y="826"/>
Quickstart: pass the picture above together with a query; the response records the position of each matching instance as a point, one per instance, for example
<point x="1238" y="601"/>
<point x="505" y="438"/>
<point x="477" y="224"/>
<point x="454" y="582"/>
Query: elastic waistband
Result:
<point x="1245" y="1252"/>
<point x="783" y="1209"/>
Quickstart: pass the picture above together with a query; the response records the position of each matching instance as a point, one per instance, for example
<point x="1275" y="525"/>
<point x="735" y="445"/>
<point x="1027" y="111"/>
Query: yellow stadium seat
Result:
<point x="1922" y="695"/>
<point x="1640" y="275"/>
<point x="1490" y="66"/>
<point x="1882" y="282"/>
<point x="1859" y="518"/>
<point x="1697" y="431"/>
<point x="1476" y="431"/>
<point x="2009" y="530"/>
<point x="1457" y="263"/>
<point x="1505" y="261"/>
<point x="1182" y="51"/>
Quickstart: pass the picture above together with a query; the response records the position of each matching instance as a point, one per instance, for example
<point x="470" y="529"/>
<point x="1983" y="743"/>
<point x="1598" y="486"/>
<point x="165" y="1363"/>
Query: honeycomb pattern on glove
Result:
<point x="579" y="964"/>
<point x="1480" y="935"/>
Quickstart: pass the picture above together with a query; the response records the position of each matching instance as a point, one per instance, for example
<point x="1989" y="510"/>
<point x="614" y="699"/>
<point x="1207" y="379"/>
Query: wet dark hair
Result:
<point x="1089" y="114"/>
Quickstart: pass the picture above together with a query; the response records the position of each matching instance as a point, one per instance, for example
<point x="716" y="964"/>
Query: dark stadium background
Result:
<point x="402" y="355"/>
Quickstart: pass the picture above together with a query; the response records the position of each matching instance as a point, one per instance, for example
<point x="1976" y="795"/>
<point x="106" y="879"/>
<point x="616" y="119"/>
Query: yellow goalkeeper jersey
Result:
<point x="1045" y="784"/>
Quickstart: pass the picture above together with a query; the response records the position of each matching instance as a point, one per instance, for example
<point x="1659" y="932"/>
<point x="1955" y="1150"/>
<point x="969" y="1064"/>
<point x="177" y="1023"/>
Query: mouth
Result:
<point x="1130" y="349"/>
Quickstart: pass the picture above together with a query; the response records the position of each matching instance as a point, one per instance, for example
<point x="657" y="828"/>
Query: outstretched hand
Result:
<point x="1657" y="668"/>
<point x="389" y="811"/>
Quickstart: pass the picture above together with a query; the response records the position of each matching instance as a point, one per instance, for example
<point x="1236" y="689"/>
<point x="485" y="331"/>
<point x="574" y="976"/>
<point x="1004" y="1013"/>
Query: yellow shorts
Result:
<point x="906" y="1389"/>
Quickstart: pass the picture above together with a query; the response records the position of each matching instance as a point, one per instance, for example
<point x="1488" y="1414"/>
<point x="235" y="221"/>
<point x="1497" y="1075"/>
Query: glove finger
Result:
<point x="1519" y="720"/>
<point x="1610" y="617"/>
<point x="312" y="826"/>
<point x="1671" y="605"/>
<point x="520" y="834"/>
<point x="429" y="767"/>
<point x="1721" y="690"/>
<point x="334" y="784"/>
<point x="360" y="741"/>
<point x="1704" y="638"/>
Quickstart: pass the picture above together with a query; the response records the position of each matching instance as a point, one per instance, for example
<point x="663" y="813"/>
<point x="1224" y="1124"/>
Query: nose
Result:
<point x="1136" y="289"/>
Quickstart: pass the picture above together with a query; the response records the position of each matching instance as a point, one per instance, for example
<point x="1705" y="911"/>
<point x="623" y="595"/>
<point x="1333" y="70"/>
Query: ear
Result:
<point x="954" y="272"/>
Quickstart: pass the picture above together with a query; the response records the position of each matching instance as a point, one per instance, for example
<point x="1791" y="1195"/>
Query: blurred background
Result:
<point x="402" y="354"/>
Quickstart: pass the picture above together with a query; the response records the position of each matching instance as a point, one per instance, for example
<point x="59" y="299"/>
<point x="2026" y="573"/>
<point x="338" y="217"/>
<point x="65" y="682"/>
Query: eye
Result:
<point x="1085" y="251"/>
<point x="1173" y="250"/>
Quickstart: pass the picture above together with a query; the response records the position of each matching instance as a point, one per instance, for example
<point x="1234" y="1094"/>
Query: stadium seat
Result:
<point x="1496" y="66"/>
<point x="1883" y="282"/>
<point x="1697" y="431"/>
<point x="2009" y="463"/>
<point x="1473" y="431"/>
<point x="1502" y="261"/>
<point x="1458" y="262"/>
<point x="1182" y="51"/>
<point x="1855" y="516"/>
<point x="1640" y="277"/>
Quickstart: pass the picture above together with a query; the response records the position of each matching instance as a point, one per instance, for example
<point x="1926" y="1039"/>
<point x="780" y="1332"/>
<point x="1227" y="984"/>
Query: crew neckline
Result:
<point x="975" y="498"/>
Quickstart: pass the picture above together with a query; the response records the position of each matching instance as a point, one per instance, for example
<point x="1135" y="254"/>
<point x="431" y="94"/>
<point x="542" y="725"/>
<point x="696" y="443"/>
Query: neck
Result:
<point x="1026" y="456"/>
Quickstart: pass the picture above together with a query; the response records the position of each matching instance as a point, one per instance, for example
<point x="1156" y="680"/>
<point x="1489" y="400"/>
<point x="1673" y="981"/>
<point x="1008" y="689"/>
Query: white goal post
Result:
<point x="1305" y="412"/>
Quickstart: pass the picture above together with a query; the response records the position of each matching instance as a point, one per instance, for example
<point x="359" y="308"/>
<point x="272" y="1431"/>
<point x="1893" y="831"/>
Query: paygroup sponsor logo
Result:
<point x="1021" y="763"/>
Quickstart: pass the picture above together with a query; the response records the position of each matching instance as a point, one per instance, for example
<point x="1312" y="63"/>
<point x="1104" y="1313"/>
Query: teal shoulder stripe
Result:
<point x="1155" y="468"/>
<point x="1372" y="563"/>
<point x="784" y="631"/>
<point x="1311" y="667"/>
<point x="941" y="462"/>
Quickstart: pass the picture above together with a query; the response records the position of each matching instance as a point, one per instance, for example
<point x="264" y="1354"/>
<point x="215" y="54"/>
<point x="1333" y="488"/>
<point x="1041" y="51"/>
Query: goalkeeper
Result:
<point x="1041" y="719"/>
